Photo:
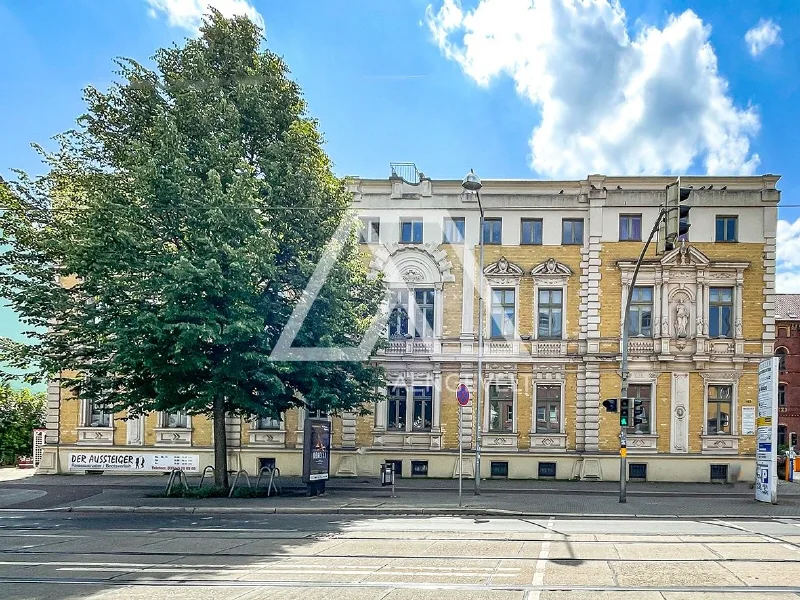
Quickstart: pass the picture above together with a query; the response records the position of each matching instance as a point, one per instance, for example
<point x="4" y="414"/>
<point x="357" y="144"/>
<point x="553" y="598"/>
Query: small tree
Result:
<point x="162" y="254"/>
<point x="21" y="411"/>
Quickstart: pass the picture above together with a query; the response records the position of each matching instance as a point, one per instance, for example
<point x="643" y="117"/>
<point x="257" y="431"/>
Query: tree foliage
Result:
<point x="21" y="411"/>
<point x="160" y="257"/>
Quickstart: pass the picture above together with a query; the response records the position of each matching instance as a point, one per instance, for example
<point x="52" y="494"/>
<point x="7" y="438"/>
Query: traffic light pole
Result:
<point x="623" y="441"/>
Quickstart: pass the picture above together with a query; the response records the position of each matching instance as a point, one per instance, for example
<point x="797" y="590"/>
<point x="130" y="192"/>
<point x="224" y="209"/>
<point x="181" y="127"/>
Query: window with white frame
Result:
<point x="720" y="312"/>
<point x="503" y="312"/>
<point x="501" y="408"/>
<point x="411" y="231"/>
<point x="97" y="415"/>
<point x="454" y="230"/>
<point x="263" y="423"/>
<point x="396" y="408"/>
<point x="493" y="230"/>
<point x="424" y="312"/>
<point x="719" y="409"/>
<point x="548" y="409"/>
<point x="531" y="232"/>
<point x="178" y="419"/>
<point x="644" y="393"/>
<point x="370" y="232"/>
<point x="640" y="321"/>
<point x="550" y="310"/>
<point x="423" y="408"/>
<point x="412" y="311"/>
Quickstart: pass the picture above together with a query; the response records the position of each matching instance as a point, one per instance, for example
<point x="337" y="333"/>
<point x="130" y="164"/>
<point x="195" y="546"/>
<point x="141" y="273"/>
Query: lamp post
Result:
<point x="472" y="183"/>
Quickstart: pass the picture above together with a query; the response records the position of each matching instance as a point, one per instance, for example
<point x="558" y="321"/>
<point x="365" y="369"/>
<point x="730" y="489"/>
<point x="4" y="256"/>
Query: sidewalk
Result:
<point x="529" y="498"/>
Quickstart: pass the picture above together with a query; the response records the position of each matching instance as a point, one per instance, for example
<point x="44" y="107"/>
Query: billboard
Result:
<point x="133" y="461"/>
<point x="767" y="432"/>
<point x="316" y="450"/>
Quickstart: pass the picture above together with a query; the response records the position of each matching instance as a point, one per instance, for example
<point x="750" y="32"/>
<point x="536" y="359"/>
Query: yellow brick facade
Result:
<point x="418" y="421"/>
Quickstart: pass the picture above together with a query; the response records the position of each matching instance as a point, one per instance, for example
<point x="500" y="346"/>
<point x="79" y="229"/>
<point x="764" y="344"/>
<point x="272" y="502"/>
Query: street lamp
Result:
<point x="472" y="183"/>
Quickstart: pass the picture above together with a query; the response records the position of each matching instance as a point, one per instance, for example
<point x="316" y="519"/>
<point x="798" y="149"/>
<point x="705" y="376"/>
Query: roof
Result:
<point x="787" y="307"/>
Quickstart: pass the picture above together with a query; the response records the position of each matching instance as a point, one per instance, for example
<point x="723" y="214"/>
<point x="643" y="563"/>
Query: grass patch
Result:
<point x="194" y="493"/>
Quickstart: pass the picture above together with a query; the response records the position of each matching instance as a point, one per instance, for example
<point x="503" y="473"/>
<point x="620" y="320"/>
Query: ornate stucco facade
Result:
<point x="559" y="257"/>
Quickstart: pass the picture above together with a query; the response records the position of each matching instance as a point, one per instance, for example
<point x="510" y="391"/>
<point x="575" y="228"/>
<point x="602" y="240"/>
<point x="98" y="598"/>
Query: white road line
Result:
<point x="541" y="562"/>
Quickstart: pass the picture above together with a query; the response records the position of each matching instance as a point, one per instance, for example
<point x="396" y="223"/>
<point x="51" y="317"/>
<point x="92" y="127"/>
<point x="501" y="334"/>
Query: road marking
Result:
<point x="279" y="571"/>
<point x="541" y="563"/>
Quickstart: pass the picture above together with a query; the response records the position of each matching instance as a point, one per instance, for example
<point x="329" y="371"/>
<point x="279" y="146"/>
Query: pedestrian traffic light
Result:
<point x="676" y="222"/>
<point x="793" y="439"/>
<point x="624" y="412"/>
<point x="610" y="405"/>
<point x="638" y="412"/>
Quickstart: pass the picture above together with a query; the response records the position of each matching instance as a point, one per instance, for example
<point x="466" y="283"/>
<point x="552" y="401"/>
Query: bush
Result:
<point x="20" y="413"/>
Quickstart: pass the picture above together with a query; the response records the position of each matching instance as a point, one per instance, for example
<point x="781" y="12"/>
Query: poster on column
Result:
<point x="132" y="461"/>
<point x="767" y="432"/>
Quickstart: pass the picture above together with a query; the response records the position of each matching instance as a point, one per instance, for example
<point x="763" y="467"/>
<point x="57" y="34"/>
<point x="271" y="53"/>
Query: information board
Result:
<point x="316" y="450"/>
<point x="748" y="420"/>
<point x="132" y="461"/>
<point x="766" y="484"/>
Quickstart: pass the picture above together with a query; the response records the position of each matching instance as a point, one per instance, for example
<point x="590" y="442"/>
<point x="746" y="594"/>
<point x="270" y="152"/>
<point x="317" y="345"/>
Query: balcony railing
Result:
<point x="412" y="346"/>
<point x="408" y="172"/>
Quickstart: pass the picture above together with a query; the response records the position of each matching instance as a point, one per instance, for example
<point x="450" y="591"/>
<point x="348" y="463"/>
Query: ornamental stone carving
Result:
<point x="503" y="268"/>
<point x="551" y="267"/>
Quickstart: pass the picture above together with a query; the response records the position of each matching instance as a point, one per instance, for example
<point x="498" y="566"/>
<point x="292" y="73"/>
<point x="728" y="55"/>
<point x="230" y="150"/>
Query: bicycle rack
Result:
<point x="274" y="484"/>
<point x="236" y="478"/>
<point x="203" y="476"/>
<point x="180" y="476"/>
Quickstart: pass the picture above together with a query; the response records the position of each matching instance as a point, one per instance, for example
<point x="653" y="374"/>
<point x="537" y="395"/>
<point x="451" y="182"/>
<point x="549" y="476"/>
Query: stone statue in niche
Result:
<point x="681" y="320"/>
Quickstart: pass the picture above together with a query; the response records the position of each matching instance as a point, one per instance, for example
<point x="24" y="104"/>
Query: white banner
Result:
<point x="135" y="462"/>
<point x="767" y="432"/>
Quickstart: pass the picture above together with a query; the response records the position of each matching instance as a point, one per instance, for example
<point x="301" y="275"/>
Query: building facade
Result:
<point x="787" y="349"/>
<point x="558" y="262"/>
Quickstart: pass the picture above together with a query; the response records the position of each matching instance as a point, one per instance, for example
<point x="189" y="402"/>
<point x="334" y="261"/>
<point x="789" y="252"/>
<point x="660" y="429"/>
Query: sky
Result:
<point x="512" y="88"/>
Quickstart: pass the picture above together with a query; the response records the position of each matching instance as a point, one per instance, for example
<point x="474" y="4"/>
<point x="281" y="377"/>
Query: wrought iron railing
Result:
<point x="408" y="172"/>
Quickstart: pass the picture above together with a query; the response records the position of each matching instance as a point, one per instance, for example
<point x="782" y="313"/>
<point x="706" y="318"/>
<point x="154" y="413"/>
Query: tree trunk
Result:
<point x="220" y="444"/>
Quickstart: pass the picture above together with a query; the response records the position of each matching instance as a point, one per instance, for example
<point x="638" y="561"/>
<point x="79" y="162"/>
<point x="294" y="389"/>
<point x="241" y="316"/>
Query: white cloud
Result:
<point x="788" y="255"/>
<point x="188" y="14"/>
<point x="767" y="33"/>
<point x="609" y="103"/>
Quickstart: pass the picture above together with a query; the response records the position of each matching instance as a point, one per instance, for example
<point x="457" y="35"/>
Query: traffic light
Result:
<point x="610" y="405"/>
<point x="793" y="439"/>
<point x="676" y="223"/>
<point x="624" y="412"/>
<point x="638" y="412"/>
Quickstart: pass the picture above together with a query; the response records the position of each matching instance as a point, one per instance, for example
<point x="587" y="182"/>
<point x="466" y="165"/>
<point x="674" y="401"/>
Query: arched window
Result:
<point x="781" y="354"/>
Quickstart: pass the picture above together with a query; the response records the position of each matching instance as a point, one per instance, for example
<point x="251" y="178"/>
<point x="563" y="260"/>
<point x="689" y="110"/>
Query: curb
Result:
<point x="390" y="510"/>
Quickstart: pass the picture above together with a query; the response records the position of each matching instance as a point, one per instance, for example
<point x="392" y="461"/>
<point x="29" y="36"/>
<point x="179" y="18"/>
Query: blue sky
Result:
<point x="512" y="88"/>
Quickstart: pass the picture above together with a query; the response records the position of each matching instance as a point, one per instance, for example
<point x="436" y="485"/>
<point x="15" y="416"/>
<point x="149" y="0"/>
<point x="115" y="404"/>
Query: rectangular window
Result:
<point x="396" y="406"/>
<point x="720" y="399"/>
<point x="640" y="321"/>
<point x="501" y="409"/>
<point x="419" y="468"/>
<point x="546" y="470"/>
<point x="630" y="228"/>
<point x="551" y="304"/>
<point x="454" y="231"/>
<point x="720" y="312"/>
<point x="726" y="229"/>
<point x="643" y="393"/>
<point x="398" y="317"/>
<point x="499" y="468"/>
<point x="493" y="231"/>
<point x="423" y="316"/>
<point x="531" y="233"/>
<point x="572" y="231"/>
<point x="637" y="471"/>
<point x="176" y="420"/>
<point x="782" y="395"/>
<point x="423" y="409"/>
<point x="503" y="313"/>
<point x="316" y="413"/>
<point x="411" y="232"/>
<point x="548" y="409"/>
<point x="98" y="415"/>
<point x="268" y="423"/>
<point x="370" y="232"/>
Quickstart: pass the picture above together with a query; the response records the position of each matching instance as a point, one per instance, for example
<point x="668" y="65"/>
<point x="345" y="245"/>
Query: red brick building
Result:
<point x="787" y="348"/>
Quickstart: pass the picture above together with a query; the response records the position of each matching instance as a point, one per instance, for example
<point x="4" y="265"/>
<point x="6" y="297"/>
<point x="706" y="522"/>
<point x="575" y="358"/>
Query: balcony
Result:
<point x="549" y="348"/>
<point x="641" y="347"/>
<point x="417" y="346"/>
<point x="501" y="348"/>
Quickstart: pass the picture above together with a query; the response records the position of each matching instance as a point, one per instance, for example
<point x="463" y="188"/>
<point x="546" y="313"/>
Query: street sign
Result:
<point x="766" y="427"/>
<point x="462" y="395"/>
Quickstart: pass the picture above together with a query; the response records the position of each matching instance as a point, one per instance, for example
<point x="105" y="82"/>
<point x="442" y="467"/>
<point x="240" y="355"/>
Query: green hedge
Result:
<point x="20" y="413"/>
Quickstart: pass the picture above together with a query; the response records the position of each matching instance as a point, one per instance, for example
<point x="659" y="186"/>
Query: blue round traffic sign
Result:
<point x="462" y="394"/>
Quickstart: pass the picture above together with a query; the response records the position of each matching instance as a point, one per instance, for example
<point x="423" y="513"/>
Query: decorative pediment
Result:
<point x="551" y="267"/>
<point x="503" y="268"/>
<point x="685" y="256"/>
<point x="423" y="263"/>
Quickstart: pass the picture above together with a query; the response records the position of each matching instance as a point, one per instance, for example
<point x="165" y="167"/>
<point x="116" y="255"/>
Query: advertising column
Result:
<point x="316" y="454"/>
<point x="767" y="432"/>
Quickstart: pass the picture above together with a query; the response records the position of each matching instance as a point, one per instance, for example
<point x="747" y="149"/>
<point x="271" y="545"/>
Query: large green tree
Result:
<point x="178" y="225"/>
<point x="21" y="411"/>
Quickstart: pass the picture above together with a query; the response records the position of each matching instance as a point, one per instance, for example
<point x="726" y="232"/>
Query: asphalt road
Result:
<point x="280" y="557"/>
